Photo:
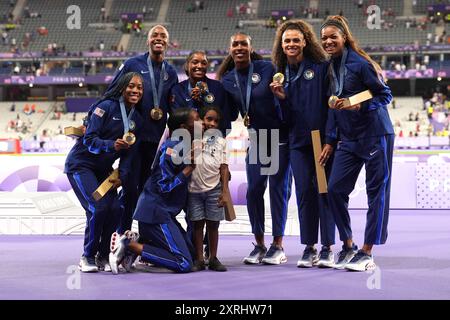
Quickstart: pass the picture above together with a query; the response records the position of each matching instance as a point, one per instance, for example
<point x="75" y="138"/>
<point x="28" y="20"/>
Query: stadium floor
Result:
<point x="413" y="265"/>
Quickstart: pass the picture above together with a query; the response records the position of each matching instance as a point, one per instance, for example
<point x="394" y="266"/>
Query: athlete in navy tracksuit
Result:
<point x="162" y="240"/>
<point x="253" y="79"/>
<point x="303" y="97"/>
<point x="367" y="138"/>
<point x="90" y="162"/>
<point x="187" y="94"/>
<point x="152" y="129"/>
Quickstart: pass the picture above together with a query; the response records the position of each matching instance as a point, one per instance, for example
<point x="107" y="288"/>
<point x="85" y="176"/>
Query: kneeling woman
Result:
<point x="162" y="240"/>
<point x="90" y="161"/>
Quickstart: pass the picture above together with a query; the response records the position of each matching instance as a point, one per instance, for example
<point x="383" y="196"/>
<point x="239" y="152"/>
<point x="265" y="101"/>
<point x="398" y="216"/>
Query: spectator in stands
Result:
<point x="367" y="138"/>
<point x="13" y="107"/>
<point x="298" y="54"/>
<point x="5" y="37"/>
<point x="411" y="116"/>
<point x="102" y="13"/>
<point x="417" y="117"/>
<point x="247" y="77"/>
<point x="90" y="162"/>
<point x="27" y="12"/>
<point x="27" y="109"/>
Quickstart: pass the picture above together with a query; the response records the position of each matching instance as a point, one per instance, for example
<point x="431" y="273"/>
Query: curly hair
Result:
<point x="228" y="63"/>
<point x="342" y="25"/>
<point x="313" y="50"/>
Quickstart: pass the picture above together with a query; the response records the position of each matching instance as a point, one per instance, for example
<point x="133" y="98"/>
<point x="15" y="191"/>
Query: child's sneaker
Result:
<point x="216" y="265"/>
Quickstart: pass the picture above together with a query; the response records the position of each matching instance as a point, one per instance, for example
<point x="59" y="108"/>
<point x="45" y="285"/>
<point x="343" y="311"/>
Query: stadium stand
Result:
<point x="136" y="6"/>
<point x="207" y="25"/>
<point x="38" y="33"/>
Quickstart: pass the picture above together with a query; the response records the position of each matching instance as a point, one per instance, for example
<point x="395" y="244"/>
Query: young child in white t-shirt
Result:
<point x="209" y="183"/>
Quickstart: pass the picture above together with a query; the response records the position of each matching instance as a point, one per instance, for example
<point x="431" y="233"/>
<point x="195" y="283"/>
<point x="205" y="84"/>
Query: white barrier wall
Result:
<point x="36" y="197"/>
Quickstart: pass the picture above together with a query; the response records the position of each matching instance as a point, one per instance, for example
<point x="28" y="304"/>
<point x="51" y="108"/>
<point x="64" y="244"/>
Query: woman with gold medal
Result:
<point x="247" y="77"/>
<point x="199" y="91"/>
<point x="159" y="77"/>
<point x="111" y="134"/>
<point x="367" y="139"/>
<point x="303" y="98"/>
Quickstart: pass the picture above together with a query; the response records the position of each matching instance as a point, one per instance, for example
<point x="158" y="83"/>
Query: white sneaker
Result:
<point x="361" y="262"/>
<point x="87" y="264"/>
<point x="326" y="258"/>
<point x="344" y="256"/>
<point x="118" y="251"/>
<point x="275" y="255"/>
<point x="309" y="258"/>
<point x="256" y="255"/>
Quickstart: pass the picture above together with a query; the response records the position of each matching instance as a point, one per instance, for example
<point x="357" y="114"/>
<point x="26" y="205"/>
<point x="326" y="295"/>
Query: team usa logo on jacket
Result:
<point x="256" y="78"/>
<point x="309" y="74"/>
<point x="166" y="76"/>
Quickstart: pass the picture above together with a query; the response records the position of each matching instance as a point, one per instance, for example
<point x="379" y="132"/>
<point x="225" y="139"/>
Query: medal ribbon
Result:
<point x="156" y="94"/>
<point x="245" y="103"/>
<point x="298" y="75"/>
<point x="125" y="119"/>
<point x="339" y="85"/>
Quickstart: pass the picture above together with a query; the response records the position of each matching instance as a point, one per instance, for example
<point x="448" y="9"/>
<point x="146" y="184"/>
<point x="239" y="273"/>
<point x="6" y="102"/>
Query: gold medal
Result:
<point x="156" y="113"/>
<point x="202" y="86"/>
<point x="129" y="138"/>
<point x="246" y="120"/>
<point x="209" y="98"/>
<point x="332" y="101"/>
<point x="278" y="77"/>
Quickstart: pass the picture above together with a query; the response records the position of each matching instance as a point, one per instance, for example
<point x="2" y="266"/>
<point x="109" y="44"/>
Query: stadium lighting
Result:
<point x="30" y="85"/>
<point x="439" y="78"/>
<point x="80" y="84"/>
